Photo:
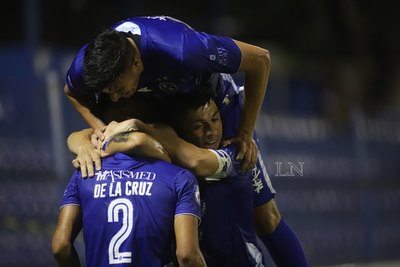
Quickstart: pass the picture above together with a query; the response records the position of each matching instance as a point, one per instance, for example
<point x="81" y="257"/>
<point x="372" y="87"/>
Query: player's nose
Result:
<point x="115" y="97"/>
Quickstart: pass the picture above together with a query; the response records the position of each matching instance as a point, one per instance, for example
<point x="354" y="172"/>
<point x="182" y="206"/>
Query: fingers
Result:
<point x="250" y="155"/>
<point x="226" y="142"/>
<point x="103" y="154"/>
<point x="247" y="151"/>
<point x="88" y="163"/>
<point x="97" y="163"/>
<point x="253" y="156"/>
<point x="76" y="164"/>
<point x="97" y="137"/>
<point x="87" y="166"/>
<point x="243" y="155"/>
<point x="94" y="140"/>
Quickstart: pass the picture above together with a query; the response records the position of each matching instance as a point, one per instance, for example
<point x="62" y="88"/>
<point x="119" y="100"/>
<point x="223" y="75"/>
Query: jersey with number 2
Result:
<point x="128" y="210"/>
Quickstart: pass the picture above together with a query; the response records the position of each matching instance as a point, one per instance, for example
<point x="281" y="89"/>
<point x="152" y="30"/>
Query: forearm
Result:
<point x="137" y="144"/>
<point x="187" y="243"/>
<point x="78" y="139"/>
<point x="69" y="258"/>
<point x="68" y="227"/>
<point x="202" y="162"/>
<point x="195" y="260"/>
<point x="84" y="106"/>
<point x="253" y="98"/>
<point x="255" y="64"/>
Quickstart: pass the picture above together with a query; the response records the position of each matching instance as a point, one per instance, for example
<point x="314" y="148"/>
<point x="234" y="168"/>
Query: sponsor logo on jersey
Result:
<point x="114" y="175"/>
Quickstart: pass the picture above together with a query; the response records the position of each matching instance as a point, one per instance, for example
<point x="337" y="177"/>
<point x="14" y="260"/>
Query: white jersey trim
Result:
<point x="224" y="165"/>
<point x="69" y="204"/>
<point x="227" y="77"/>
<point x="192" y="214"/>
<point x="129" y="27"/>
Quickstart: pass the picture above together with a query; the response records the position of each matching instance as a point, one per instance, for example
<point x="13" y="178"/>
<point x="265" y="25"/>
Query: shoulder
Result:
<point x="176" y="171"/>
<point x="74" y="78"/>
<point x="149" y="22"/>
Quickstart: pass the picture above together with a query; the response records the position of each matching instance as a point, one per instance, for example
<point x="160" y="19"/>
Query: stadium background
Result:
<point x="329" y="125"/>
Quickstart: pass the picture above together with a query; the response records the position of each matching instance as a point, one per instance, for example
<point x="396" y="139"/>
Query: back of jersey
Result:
<point x="129" y="208"/>
<point x="228" y="237"/>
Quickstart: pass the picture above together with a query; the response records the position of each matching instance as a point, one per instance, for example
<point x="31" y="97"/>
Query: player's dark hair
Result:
<point x="106" y="58"/>
<point x="181" y="104"/>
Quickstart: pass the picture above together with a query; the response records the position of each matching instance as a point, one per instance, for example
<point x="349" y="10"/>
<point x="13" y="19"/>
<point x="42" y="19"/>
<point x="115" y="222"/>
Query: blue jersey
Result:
<point x="227" y="234"/>
<point x="176" y="58"/>
<point x="128" y="210"/>
<point x="230" y="107"/>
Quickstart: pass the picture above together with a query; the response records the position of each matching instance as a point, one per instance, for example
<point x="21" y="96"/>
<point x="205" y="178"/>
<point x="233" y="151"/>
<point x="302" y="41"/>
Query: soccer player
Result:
<point x="160" y="56"/>
<point x="131" y="212"/>
<point x="197" y="121"/>
<point x="228" y="237"/>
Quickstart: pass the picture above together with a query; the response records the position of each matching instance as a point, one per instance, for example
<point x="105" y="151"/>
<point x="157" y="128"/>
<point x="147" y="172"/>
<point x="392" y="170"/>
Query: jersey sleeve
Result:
<point x="74" y="77"/>
<point x="71" y="193"/>
<point x="228" y="164"/>
<point x="207" y="52"/>
<point x="188" y="194"/>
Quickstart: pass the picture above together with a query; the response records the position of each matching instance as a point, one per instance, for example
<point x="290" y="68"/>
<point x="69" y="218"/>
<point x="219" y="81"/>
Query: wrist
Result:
<point x="245" y="133"/>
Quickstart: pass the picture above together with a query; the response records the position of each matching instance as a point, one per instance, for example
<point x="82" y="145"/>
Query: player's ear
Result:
<point x="137" y="63"/>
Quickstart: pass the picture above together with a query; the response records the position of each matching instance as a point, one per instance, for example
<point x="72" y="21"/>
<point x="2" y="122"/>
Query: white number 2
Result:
<point x="125" y="206"/>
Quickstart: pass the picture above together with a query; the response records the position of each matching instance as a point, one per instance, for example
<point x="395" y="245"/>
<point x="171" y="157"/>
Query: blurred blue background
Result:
<point x="329" y="127"/>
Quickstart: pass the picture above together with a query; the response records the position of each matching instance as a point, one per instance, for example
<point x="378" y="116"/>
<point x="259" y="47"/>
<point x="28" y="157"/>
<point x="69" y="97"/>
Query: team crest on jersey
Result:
<point x="168" y="87"/>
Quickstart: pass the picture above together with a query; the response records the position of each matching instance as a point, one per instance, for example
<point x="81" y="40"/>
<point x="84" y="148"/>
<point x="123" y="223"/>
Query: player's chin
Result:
<point x="214" y="145"/>
<point x="126" y="96"/>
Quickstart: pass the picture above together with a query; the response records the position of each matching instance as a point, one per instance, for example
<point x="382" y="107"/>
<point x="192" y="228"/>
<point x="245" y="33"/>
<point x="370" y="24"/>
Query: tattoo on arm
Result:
<point x="120" y="138"/>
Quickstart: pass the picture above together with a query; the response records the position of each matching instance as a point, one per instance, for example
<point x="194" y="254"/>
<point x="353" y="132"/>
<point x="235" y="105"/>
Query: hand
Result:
<point x="98" y="137"/>
<point x="247" y="150"/>
<point x="119" y="127"/>
<point x="87" y="155"/>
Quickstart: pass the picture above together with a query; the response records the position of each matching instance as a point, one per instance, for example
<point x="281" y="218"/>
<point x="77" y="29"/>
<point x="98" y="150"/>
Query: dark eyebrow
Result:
<point x="216" y="113"/>
<point x="113" y="89"/>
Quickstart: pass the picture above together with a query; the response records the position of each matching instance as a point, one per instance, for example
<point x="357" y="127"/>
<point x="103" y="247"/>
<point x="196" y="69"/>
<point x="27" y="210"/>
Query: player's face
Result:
<point x="125" y="86"/>
<point x="203" y="127"/>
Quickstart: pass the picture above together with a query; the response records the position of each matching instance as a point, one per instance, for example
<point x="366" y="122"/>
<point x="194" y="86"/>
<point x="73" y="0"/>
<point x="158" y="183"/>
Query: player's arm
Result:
<point x="133" y="143"/>
<point x="86" y="154"/>
<point x="255" y="64"/>
<point x="201" y="162"/>
<point x="187" y="244"/>
<point x="137" y="144"/>
<point x="68" y="227"/>
<point x="84" y="105"/>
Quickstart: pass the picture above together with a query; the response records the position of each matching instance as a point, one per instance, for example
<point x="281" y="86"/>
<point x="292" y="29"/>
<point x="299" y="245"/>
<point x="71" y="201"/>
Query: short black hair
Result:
<point x="179" y="105"/>
<point x="106" y="58"/>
